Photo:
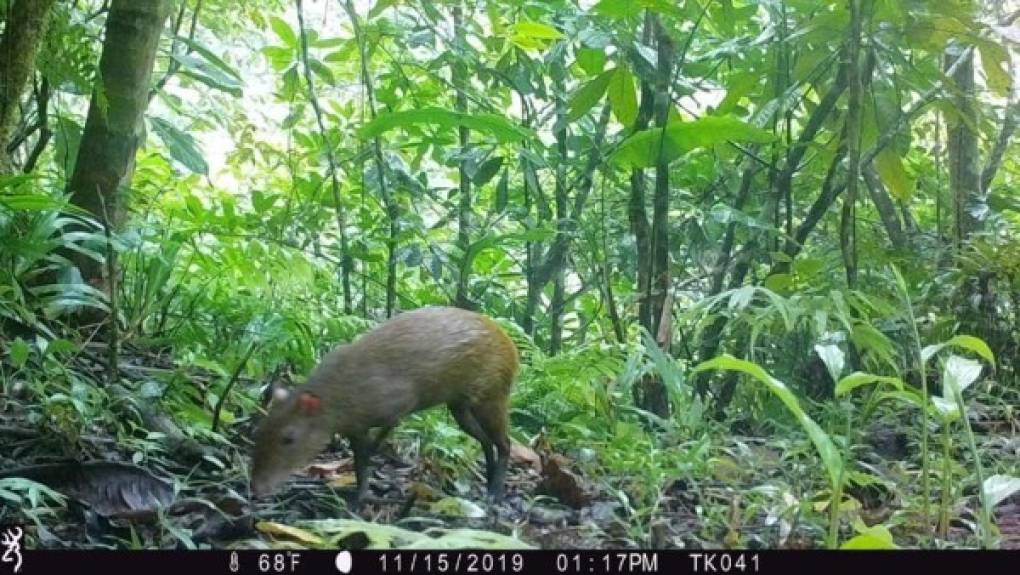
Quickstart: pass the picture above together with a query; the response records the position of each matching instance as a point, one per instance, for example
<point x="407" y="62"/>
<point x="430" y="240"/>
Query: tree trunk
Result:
<point x="389" y="202"/>
<point x="964" y="159"/>
<point x="660" y="202"/>
<point x="636" y="211"/>
<point x="341" y="220"/>
<point x="557" y="302"/>
<point x="848" y="221"/>
<point x="113" y="128"/>
<point x="24" y="32"/>
<point x="886" y="209"/>
<point x="459" y="77"/>
<point x="652" y="395"/>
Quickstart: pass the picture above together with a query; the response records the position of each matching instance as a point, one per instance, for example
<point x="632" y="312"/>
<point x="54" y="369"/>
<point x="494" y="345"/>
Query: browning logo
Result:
<point x="10" y="540"/>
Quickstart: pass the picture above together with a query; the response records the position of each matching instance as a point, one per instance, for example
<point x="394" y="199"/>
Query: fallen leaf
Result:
<point x="524" y="455"/>
<point x="457" y="507"/>
<point x="281" y="531"/>
<point x="563" y="484"/>
<point x="329" y="468"/>
<point x="343" y="480"/>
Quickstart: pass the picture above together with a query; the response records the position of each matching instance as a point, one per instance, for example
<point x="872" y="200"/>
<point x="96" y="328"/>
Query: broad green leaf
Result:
<point x="588" y="95"/>
<point x="999" y="487"/>
<point x="591" y="61"/>
<point x="890" y="168"/>
<point x="959" y="373"/>
<point x="995" y="61"/>
<point x="866" y="337"/>
<point x="741" y="298"/>
<point x="644" y="149"/>
<point x="946" y="408"/>
<point x="857" y="379"/>
<point x="833" y="359"/>
<point x="623" y="97"/>
<point x="623" y="9"/>
<point x="875" y="537"/>
<point x="532" y="35"/>
<point x="181" y="145"/>
<point x="284" y="31"/>
<point x="211" y="57"/>
<point x="492" y="124"/>
<point x="28" y="202"/>
<point x="19" y="351"/>
<point x="826" y="449"/>
<point x="322" y="71"/>
<point x="536" y="30"/>
<point x="968" y="342"/>
<point x="457" y="507"/>
<point x="488" y="170"/>
<point x="210" y="76"/>
<point x="906" y="395"/>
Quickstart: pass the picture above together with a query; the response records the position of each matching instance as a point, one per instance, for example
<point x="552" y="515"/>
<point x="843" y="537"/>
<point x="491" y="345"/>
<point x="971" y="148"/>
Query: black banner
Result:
<point x="282" y="562"/>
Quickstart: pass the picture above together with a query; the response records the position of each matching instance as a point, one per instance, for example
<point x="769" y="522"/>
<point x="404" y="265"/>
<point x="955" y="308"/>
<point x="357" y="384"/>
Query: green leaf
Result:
<point x="644" y="149"/>
<point x="968" y="342"/>
<point x="19" y="351"/>
<point x="488" y="170"/>
<point x="284" y="31"/>
<point x="181" y="145"/>
<point x="890" y="168"/>
<point x="457" y="507"/>
<point x="875" y="537"/>
<point x="999" y="487"/>
<point x="833" y="359"/>
<point x="492" y="124"/>
<point x="741" y="298"/>
<point x="959" y="373"/>
<point x="590" y="60"/>
<point x="588" y="95"/>
<point x="536" y="30"/>
<point x="208" y="75"/>
<point x="947" y="409"/>
<point x="624" y="9"/>
<point x="857" y="379"/>
<point x="823" y="444"/>
<point x="322" y="71"/>
<point x="995" y="61"/>
<point x="503" y="192"/>
<point x="211" y="57"/>
<point x="623" y="97"/>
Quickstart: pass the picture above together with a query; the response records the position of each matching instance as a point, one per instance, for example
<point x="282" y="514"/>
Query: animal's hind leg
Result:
<point x="493" y="419"/>
<point x="462" y="413"/>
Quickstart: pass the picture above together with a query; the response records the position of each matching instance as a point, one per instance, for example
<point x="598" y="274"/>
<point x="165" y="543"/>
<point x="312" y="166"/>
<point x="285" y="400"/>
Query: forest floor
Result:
<point x="192" y="492"/>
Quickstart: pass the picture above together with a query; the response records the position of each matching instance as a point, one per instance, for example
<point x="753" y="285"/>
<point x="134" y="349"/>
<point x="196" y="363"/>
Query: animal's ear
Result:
<point x="280" y="394"/>
<point x="309" y="403"/>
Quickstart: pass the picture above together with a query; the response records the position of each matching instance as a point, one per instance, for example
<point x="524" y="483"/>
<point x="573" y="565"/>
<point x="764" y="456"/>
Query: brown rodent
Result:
<point x="416" y="360"/>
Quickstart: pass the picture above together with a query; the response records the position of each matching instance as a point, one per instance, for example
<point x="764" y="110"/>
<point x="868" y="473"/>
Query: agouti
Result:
<point x="416" y="360"/>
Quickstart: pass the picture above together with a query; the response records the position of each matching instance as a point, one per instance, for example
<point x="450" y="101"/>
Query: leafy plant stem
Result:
<point x="986" y="511"/>
<point x="925" y="483"/>
<point x="946" y="484"/>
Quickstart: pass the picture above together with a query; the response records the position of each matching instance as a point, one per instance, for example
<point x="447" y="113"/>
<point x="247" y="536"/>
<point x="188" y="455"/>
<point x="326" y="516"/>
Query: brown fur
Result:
<point x="414" y="361"/>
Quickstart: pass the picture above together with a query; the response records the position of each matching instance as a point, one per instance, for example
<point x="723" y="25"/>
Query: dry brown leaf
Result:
<point x="563" y="484"/>
<point x="329" y="468"/>
<point x="343" y="480"/>
<point x="524" y="455"/>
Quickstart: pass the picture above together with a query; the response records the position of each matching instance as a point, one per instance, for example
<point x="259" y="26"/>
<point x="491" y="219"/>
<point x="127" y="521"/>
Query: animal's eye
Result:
<point x="287" y="439"/>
